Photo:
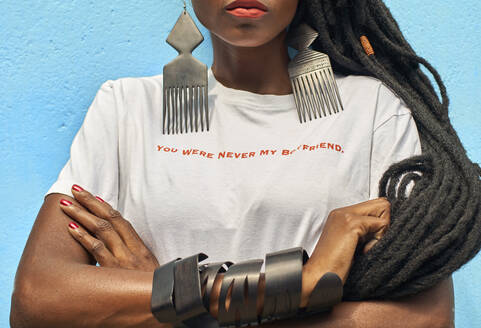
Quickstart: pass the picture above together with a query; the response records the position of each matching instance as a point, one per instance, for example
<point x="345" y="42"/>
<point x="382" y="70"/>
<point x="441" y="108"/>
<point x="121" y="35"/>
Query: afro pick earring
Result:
<point x="185" y="101"/>
<point x="312" y="79"/>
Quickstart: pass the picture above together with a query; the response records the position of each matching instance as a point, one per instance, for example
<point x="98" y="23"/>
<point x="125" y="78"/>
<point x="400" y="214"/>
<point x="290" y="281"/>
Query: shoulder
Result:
<point x="383" y="100"/>
<point x="134" y="86"/>
<point x="368" y="85"/>
<point x="127" y="94"/>
<point x="358" y="81"/>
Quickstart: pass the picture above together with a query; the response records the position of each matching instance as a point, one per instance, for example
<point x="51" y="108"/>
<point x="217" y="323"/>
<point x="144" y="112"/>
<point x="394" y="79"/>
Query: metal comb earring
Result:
<point x="312" y="79"/>
<point x="185" y="89"/>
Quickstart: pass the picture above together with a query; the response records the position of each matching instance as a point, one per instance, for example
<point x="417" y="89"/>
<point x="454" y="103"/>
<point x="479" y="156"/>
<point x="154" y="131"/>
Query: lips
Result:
<point x="247" y="4"/>
<point x="246" y="8"/>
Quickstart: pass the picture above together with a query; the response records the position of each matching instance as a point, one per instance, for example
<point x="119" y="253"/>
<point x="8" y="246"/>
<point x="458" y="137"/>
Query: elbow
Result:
<point x="444" y="319"/>
<point x="439" y="305"/>
<point x="29" y="304"/>
<point x="22" y="310"/>
<point x="425" y="321"/>
<point x="439" y="323"/>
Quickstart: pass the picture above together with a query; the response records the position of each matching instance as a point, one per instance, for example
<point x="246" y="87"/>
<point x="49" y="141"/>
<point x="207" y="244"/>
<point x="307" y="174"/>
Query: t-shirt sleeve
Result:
<point x="395" y="137"/>
<point x="93" y="162"/>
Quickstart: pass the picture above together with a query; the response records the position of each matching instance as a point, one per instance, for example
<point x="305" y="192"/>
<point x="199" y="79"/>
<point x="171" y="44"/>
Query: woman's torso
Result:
<point x="258" y="181"/>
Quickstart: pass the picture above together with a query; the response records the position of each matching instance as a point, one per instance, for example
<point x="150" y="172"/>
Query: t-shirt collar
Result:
<point x="236" y="96"/>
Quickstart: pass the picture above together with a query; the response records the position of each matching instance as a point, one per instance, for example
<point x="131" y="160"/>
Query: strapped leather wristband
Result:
<point x="328" y="291"/>
<point x="243" y="280"/>
<point x="177" y="296"/>
<point x="283" y="276"/>
<point x="162" y="302"/>
<point x="208" y="272"/>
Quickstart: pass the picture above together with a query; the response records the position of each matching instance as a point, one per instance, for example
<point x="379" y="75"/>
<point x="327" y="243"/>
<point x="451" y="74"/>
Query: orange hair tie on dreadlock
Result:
<point x="367" y="45"/>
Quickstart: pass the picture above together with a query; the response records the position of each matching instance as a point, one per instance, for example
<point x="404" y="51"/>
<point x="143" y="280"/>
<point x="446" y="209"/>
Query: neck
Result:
<point x="260" y="70"/>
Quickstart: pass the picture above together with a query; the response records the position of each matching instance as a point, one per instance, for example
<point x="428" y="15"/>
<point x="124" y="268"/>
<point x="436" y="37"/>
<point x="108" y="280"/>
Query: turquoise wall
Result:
<point x="54" y="55"/>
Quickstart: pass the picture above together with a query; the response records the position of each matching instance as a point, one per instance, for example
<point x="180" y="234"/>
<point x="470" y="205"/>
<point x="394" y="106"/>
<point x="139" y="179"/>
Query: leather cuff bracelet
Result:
<point x="177" y="291"/>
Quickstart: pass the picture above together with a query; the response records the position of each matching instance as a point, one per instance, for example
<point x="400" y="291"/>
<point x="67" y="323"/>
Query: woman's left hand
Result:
<point x="105" y="234"/>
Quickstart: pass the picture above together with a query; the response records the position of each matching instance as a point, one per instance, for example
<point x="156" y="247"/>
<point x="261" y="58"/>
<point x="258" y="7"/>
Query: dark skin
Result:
<point x="249" y="54"/>
<point x="58" y="285"/>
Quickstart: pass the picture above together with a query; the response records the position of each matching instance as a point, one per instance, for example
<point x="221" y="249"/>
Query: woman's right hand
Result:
<point x="347" y="227"/>
<point x="105" y="234"/>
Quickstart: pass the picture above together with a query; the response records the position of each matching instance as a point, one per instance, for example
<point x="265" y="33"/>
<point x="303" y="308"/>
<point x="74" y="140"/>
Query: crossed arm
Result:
<point x="57" y="285"/>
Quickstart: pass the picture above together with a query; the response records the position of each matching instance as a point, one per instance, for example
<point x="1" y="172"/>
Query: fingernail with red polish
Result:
<point x="73" y="225"/>
<point x="77" y="188"/>
<point x="100" y="199"/>
<point x="65" y="202"/>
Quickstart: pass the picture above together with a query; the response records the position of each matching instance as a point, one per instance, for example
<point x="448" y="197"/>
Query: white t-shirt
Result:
<point x="258" y="181"/>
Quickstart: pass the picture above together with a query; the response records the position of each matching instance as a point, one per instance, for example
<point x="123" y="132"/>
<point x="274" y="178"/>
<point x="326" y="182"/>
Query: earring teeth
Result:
<point x="313" y="82"/>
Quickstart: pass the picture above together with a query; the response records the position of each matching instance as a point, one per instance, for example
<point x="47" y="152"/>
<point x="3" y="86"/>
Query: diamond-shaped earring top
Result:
<point x="302" y="37"/>
<point x="185" y="36"/>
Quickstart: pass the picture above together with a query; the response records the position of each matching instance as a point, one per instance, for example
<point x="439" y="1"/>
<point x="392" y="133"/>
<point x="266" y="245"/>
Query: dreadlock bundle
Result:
<point x="437" y="228"/>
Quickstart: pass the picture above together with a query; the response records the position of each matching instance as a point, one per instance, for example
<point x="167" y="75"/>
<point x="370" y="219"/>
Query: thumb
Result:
<point x="374" y="225"/>
<point x="376" y="229"/>
<point x="370" y="244"/>
<point x="372" y="228"/>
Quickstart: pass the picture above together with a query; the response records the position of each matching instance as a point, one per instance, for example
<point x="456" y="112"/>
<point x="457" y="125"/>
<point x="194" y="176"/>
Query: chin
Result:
<point x="246" y="37"/>
<point x="248" y="43"/>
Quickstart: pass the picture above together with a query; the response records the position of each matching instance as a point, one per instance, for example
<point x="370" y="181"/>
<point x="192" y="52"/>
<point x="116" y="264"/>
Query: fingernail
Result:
<point x="65" y="202"/>
<point x="100" y="199"/>
<point x="73" y="225"/>
<point x="77" y="188"/>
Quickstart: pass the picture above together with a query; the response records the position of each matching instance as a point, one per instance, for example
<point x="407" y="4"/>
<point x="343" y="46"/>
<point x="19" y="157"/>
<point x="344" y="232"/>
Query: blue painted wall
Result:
<point x="54" y="55"/>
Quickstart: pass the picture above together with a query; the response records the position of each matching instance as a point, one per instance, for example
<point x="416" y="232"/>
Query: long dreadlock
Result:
<point x="437" y="228"/>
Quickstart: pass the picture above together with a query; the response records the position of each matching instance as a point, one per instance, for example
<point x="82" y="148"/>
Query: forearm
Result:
<point x="430" y="309"/>
<point x="82" y="295"/>
<point x="364" y="314"/>
<point x="372" y="314"/>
